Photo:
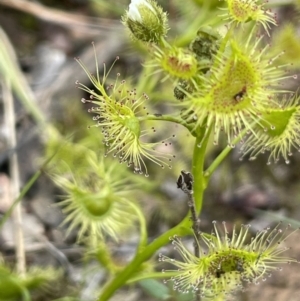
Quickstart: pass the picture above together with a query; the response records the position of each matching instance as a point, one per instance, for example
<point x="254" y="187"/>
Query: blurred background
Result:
<point x="38" y="43"/>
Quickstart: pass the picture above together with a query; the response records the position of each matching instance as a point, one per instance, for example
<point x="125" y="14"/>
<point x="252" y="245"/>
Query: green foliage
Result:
<point x="227" y="85"/>
<point x="14" y="287"/>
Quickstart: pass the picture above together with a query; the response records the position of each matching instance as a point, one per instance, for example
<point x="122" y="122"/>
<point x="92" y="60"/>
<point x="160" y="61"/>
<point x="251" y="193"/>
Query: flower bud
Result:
<point x="206" y="44"/>
<point x="182" y="87"/>
<point x="177" y="63"/>
<point x="146" y="20"/>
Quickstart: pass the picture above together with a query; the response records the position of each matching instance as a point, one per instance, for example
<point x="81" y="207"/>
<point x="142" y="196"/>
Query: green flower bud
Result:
<point x="146" y="21"/>
<point x="180" y="90"/>
<point x="205" y="46"/>
<point x="177" y="63"/>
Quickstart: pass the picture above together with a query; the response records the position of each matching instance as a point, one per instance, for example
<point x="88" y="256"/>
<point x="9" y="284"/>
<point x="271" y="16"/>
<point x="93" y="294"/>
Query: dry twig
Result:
<point x="70" y="20"/>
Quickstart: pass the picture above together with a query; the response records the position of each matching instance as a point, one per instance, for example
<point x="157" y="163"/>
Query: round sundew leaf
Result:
<point x="228" y="261"/>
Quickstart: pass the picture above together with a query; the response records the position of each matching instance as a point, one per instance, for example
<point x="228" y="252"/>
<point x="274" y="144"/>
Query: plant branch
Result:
<point x="209" y="171"/>
<point x="143" y="226"/>
<point x="24" y="190"/>
<point x="145" y="254"/>
<point x="200" y="181"/>
<point x="169" y="118"/>
<point x="62" y="18"/>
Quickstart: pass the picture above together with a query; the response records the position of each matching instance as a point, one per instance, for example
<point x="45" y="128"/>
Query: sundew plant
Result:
<point x="227" y="91"/>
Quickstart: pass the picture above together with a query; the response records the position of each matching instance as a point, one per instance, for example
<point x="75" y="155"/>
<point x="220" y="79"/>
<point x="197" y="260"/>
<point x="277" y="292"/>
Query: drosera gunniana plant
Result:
<point x="228" y="261"/>
<point x="227" y="84"/>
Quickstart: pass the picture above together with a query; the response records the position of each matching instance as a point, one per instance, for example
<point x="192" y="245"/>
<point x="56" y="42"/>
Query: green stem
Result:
<point x="200" y="182"/>
<point x="23" y="192"/>
<point x="143" y="226"/>
<point x="223" y="46"/>
<point x="153" y="275"/>
<point x="209" y="171"/>
<point x="181" y="229"/>
<point x="163" y="43"/>
<point x="169" y="118"/>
